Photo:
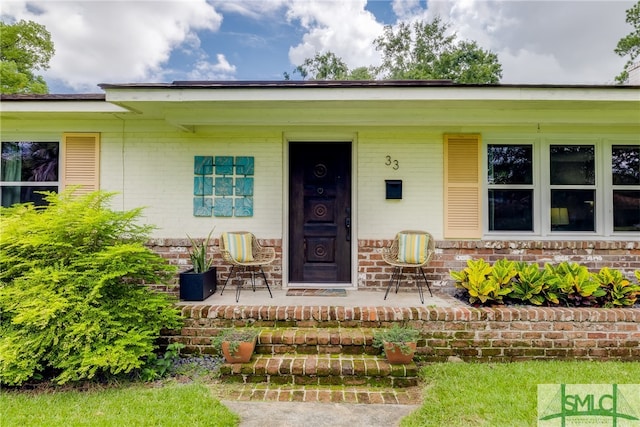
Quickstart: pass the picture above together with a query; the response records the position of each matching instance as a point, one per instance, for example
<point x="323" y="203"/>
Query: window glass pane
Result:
<point x="572" y="210"/>
<point x="511" y="210"/>
<point x="11" y="194"/>
<point x="572" y="165"/>
<point x="510" y="164"/>
<point x="29" y="161"/>
<point x="625" y="164"/>
<point x="626" y="210"/>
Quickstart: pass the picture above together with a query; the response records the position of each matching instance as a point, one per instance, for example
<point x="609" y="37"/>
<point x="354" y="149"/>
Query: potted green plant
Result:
<point x="236" y="344"/>
<point x="398" y="342"/>
<point x="199" y="282"/>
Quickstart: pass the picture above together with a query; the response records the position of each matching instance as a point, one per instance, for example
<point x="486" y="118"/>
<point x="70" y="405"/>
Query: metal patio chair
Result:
<point x="410" y="249"/>
<point x="242" y="250"/>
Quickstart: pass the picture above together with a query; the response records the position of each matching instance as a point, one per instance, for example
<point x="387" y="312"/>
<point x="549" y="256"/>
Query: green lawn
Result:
<point x="496" y="395"/>
<point x="455" y="394"/>
<point x="169" y="405"/>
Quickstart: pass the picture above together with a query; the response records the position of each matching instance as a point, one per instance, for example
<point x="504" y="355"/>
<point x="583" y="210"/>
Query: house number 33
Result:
<point x="393" y="163"/>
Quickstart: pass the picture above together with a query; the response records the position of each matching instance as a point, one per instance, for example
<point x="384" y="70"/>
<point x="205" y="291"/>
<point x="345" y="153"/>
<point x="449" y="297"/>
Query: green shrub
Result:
<point x="72" y="290"/>
<point x="159" y="367"/>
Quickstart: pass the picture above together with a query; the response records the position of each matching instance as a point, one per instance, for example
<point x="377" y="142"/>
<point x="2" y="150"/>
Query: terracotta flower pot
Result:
<point x="395" y="355"/>
<point x="242" y="355"/>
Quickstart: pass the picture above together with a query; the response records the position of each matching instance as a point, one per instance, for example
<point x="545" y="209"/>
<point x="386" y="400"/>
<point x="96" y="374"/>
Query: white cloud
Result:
<point x="256" y="9"/>
<point x="118" y="41"/>
<point x="407" y="10"/>
<point x="114" y="41"/>
<point x="205" y="70"/>
<point x="342" y="27"/>
<point x="564" y="42"/>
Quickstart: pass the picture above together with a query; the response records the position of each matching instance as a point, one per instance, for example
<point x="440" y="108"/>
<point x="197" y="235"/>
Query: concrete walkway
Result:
<point x="294" y="414"/>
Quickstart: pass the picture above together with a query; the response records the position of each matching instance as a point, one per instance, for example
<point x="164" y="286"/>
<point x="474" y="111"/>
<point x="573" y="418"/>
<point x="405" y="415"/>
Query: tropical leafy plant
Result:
<point x="531" y="285"/>
<point x="566" y="283"/>
<point x="577" y="284"/>
<point x="483" y="283"/>
<point x="619" y="290"/>
<point x="73" y="297"/>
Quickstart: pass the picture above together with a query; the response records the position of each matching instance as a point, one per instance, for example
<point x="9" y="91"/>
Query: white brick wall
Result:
<point x="419" y="166"/>
<point x="155" y="170"/>
<point x="153" y="167"/>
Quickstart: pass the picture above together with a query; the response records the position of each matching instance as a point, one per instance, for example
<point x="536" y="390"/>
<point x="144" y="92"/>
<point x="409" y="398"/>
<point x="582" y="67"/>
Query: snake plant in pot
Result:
<point x="200" y="281"/>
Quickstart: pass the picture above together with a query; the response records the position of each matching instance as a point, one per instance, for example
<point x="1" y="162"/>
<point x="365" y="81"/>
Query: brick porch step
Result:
<point x="321" y="369"/>
<point x="317" y="341"/>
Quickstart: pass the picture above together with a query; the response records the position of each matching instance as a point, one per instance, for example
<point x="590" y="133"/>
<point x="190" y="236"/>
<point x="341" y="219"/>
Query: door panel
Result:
<point x="320" y="212"/>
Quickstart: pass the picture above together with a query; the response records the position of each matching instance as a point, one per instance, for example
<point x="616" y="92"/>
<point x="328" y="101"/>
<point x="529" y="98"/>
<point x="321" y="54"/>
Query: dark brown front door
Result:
<point x="320" y="212"/>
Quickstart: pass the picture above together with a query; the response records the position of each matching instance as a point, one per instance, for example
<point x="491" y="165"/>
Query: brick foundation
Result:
<point x="374" y="273"/>
<point x="480" y="334"/>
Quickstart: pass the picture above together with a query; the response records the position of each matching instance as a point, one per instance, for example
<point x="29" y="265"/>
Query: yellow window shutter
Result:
<point x="462" y="192"/>
<point x="81" y="161"/>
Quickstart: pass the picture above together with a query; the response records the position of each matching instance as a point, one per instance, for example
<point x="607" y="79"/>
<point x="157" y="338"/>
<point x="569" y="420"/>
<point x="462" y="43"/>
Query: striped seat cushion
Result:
<point x="412" y="248"/>
<point x="238" y="245"/>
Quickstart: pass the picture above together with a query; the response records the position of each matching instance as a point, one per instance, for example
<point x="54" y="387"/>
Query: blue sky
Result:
<point x="124" y="41"/>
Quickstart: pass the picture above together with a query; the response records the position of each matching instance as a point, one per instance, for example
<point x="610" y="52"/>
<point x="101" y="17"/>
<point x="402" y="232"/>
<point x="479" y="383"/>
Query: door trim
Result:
<point x="319" y="137"/>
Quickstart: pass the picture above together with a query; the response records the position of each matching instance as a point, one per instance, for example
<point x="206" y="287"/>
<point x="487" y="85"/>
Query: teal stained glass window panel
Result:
<point x="224" y="186"/>
<point x="244" y="206"/>
<point x="224" y="165"/>
<point x="223" y="207"/>
<point x="244" y="186"/>
<point x="203" y="186"/>
<point x="203" y="165"/>
<point x="202" y="206"/>
<point x="244" y="165"/>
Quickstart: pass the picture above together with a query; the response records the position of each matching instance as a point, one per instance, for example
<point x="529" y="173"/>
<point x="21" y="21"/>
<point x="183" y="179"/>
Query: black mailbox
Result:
<point x="394" y="188"/>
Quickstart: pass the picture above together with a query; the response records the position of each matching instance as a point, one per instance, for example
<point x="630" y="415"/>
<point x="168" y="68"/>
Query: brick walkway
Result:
<point x="319" y="394"/>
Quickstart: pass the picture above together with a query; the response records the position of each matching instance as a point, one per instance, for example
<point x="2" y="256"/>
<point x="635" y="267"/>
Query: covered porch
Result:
<point x="326" y="297"/>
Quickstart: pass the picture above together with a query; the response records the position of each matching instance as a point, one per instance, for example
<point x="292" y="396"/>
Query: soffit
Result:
<point x="386" y="112"/>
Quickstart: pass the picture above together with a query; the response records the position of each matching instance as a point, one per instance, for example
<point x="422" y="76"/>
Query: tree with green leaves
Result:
<point x="418" y="51"/>
<point x="328" y="66"/>
<point x="629" y="45"/>
<point x="25" y="47"/>
<point x="323" y="66"/>
<point x="424" y="51"/>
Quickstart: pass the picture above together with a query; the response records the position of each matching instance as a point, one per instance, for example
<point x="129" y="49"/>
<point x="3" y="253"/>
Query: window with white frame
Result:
<point x="26" y="168"/>
<point x="510" y="183"/>
<point x="625" y="181"/>
<point x="572" y="183"/>
<point x="564" y="192"/>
